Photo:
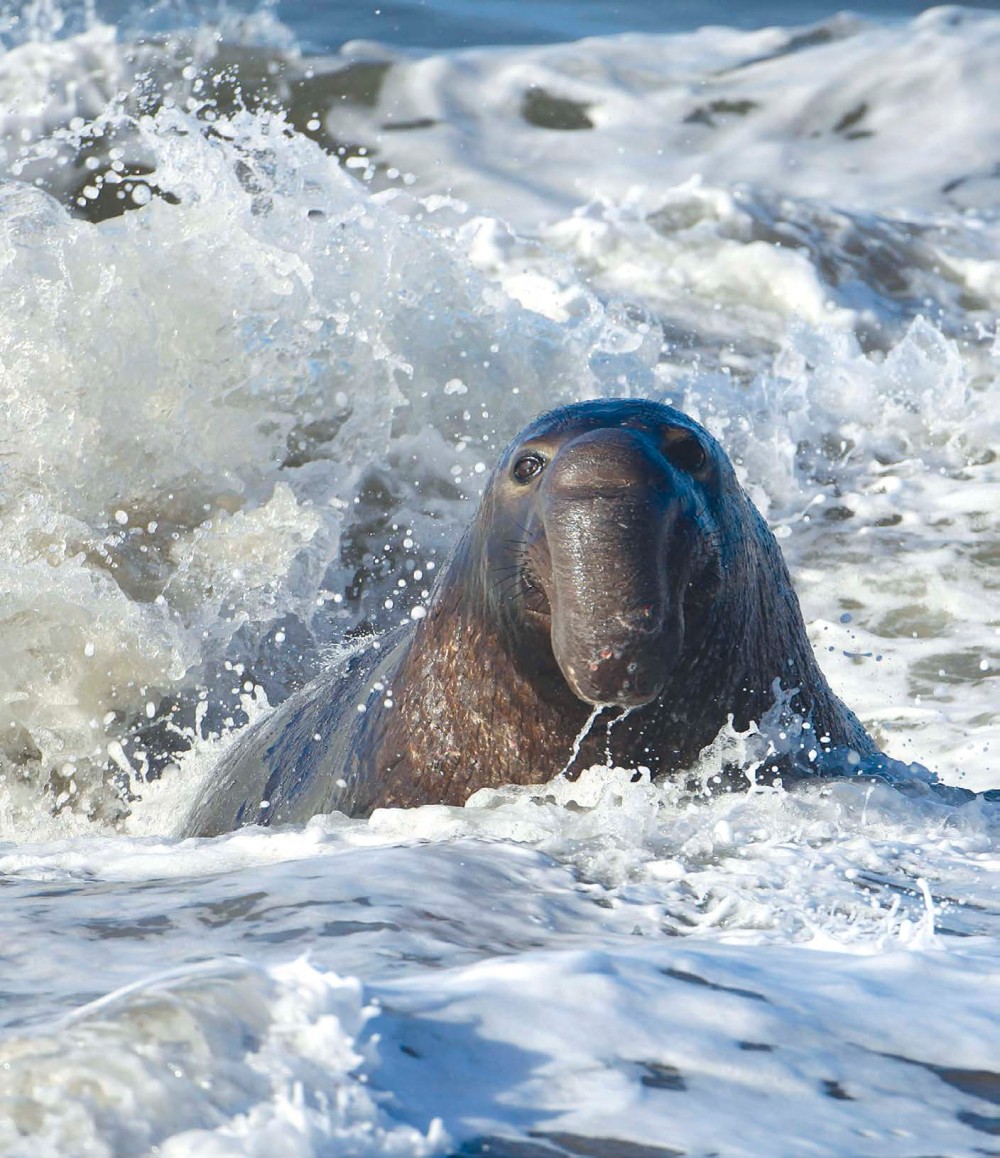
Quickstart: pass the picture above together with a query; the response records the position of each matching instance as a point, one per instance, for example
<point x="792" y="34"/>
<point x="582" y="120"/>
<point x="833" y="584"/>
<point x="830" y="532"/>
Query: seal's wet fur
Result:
<point x="614" y="559"/>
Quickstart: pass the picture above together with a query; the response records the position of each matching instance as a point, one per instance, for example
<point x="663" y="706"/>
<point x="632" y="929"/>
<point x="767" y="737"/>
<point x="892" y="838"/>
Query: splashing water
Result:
<point x="266" y="321"/>
<point x="612" y="723"/>
<point x="581" y="736"/>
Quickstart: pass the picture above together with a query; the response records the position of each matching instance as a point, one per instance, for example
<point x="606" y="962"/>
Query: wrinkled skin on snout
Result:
<point x="608" y="554"/>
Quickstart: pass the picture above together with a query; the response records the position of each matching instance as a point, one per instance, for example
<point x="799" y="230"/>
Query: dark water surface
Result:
<point x="462" y="23"/>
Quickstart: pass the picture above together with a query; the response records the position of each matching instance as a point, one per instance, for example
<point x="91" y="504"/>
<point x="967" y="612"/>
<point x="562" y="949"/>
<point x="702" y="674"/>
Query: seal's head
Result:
<point x="605" y="548"/>
<point x="614" y="560"/>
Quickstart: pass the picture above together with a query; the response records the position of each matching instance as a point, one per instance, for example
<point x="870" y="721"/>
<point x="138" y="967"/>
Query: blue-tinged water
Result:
<point x="269" y="307"/>
<point x="461" y="23"/>
<point x="323" y="27"/>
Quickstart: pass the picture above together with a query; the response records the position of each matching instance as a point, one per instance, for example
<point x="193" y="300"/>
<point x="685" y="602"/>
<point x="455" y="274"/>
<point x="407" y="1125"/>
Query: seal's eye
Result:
<point x="527" y="466"/>
<point x="686" y="453"/>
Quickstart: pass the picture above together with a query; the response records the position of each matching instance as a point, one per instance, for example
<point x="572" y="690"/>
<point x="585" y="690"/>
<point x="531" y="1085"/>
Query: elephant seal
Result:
<point x="614" y="560"/>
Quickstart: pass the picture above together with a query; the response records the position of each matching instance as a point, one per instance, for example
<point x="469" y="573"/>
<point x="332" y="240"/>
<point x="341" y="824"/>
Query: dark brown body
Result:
<point x="614" y="560"/>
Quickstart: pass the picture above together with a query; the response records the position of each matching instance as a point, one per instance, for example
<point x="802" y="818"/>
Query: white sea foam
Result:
<point x="597" y="958"/>
<point x="231" y="374"/>
<point x="258" y="409"/>
<point x="849" y="112"/>
<point x="212" y="1059"/>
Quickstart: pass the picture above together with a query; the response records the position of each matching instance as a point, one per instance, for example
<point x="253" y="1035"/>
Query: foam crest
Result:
<point x="160" y="1044"/>
<point x="266" y="322"/>
<point x="254" y="395"/>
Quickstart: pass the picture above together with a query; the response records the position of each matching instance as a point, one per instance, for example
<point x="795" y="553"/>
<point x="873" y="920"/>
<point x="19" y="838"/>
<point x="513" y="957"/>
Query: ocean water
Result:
<point x="275" y="288"/>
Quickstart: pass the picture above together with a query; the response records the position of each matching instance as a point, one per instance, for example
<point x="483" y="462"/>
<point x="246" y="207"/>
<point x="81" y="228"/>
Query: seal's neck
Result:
<point x="473" y="711"/>
<point x="467" y="715"/>
<point x="758" y="636"/>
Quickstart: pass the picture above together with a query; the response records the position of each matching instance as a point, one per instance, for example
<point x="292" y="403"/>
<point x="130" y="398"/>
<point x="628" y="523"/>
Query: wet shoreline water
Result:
<point x="256" y="360"/>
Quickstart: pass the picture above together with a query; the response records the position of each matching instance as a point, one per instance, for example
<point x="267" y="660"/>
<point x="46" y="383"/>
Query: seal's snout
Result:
<point x="628" y="676"/>
<point x="606" y="463"/>
<point x="608" y="504"/>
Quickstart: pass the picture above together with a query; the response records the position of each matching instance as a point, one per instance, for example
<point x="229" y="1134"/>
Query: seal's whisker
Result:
<point x="506" y="591"/>
<point x="509" y="583"/>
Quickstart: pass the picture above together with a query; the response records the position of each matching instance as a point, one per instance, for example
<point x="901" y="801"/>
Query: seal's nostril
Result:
<point x="614" y="673"/>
